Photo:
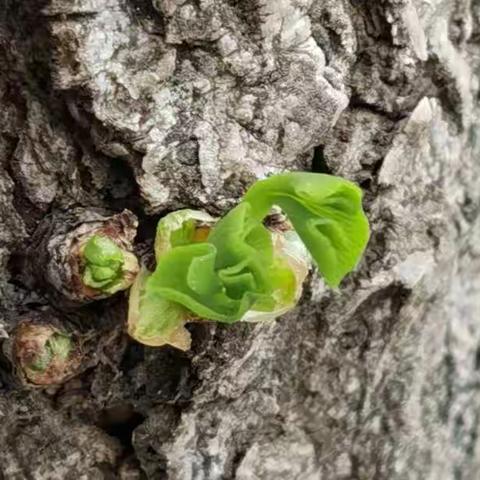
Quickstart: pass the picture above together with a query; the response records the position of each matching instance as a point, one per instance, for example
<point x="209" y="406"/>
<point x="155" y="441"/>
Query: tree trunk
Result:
<point x="155" y="105"/>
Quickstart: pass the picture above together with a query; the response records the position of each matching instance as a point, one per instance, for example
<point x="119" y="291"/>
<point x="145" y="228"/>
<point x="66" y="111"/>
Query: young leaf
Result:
<point x="154" y="320"/>
<point x="325" y="211"/>
<point x="103" y="262"/>
<point x="107" y="267"/>
<point x="223" y="278"/>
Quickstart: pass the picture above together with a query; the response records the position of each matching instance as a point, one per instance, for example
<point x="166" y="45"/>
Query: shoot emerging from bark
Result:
<point x="237" y="268"/>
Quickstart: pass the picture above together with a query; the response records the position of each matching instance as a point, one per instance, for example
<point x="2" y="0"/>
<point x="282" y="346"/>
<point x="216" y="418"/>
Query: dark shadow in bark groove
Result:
<point x="319" y="162"/>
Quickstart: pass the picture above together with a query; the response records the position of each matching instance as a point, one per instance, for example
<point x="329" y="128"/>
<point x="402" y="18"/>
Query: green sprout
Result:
<point x="241" y="270"/>
<point x="57" y="347"/>
<point x="107" y="267"/>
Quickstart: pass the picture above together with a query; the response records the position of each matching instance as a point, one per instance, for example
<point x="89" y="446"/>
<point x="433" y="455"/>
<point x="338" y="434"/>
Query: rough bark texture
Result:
<point x="153" y="105"/>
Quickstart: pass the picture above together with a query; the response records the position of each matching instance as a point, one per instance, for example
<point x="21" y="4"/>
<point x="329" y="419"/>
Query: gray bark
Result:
<point x="154" y="105"/>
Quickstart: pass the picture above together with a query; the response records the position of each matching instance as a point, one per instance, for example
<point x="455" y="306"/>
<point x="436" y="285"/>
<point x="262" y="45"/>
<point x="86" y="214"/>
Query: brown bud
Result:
<point x="42" y="353"/>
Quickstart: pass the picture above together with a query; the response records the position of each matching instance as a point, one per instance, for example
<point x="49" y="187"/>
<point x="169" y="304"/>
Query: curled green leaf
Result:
<point x="221" y="279"/>
<point x="325" y="211"/>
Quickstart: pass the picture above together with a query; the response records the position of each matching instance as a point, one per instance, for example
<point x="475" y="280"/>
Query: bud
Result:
<point x="182" y="228"/>
<point x="152" y="320"/>
<point x="82" y="255"/>
<point x="106" y="267"/>
<point x="42" y="353"/>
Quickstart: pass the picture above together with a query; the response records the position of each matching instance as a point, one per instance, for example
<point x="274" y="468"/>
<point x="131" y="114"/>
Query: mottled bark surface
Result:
<point x="153" y="105"/>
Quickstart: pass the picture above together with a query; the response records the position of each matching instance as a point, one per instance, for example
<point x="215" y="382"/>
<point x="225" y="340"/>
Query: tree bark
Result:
<point x="155" y="105"/>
